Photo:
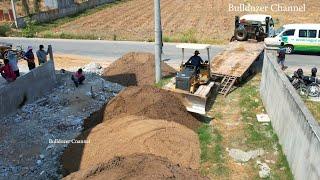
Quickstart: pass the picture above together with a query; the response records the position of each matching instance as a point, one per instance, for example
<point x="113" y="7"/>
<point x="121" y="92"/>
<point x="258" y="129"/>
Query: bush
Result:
<point x="29" y="31"/>
<point x="4" y="29"/>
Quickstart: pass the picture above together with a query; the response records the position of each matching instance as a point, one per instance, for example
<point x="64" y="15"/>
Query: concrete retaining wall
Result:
<point x="27" y="88"/>
<point x="54" y="14"/>
<point x="298" y="131"/>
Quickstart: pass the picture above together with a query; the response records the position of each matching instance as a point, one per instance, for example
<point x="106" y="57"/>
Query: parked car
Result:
<point x="297" y="38"/>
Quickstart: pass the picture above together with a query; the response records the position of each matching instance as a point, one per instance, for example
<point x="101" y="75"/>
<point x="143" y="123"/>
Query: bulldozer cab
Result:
<point x="190" y="77"/>
<point x="204" y="68"/>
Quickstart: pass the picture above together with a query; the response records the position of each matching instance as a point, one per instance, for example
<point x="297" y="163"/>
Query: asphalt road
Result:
<point x="111" y="50"/>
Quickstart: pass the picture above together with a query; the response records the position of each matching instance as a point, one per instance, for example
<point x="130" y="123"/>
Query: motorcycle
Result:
<point x="306" y="86"/>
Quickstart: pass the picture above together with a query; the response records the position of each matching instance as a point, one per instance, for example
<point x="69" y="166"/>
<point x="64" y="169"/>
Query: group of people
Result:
<point x="10" y="70"/>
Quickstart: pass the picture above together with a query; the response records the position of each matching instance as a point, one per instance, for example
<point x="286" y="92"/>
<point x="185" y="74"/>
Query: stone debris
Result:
<point x="27" y="149"/>
<point x="242" y="156"/>
<point x="93" y="68"/>
<point x="264" y="170"/>
<point x="263" y="118"/>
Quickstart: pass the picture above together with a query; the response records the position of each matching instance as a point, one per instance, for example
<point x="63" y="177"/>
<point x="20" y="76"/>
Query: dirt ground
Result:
<point x="236" y="127"/>
<point x="196" y="20"/>
<point x="154" y="103"/>
<point x="143" y="119"/>
<point x="135" y="69"/>
<point x="136" y="166"/>
<point x="135" y="134"/>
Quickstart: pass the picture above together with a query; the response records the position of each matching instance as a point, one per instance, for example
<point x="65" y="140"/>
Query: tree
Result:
<point x="36" y="5"/>
<point x="25" y="7"/>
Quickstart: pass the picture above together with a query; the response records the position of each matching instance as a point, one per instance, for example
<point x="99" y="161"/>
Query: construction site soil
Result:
<point x="135" y="69"/>
<point x="146" y="132"/>
<point x="150" y="167"/>
<point x="134" y="134"/>
<point x="150" y="102"/>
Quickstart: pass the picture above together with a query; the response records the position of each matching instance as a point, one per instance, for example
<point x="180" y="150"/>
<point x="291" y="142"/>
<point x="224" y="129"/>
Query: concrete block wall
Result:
<point x="27" y="88"/>
<point x="298" y="131"/>
<point x="54" y="14"/>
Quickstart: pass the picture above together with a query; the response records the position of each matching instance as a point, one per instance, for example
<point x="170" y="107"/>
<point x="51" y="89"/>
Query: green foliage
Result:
<point x="29" y="31"/>
<point x="212" y="151"/>
<point x="163" y="82"/>
<point x="4" y="29"/>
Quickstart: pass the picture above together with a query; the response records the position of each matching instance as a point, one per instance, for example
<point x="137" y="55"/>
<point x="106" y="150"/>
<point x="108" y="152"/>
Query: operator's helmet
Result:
<point x="300" y="72"/>
<point x="314" y="70"/>
<point x="196" y="52"/>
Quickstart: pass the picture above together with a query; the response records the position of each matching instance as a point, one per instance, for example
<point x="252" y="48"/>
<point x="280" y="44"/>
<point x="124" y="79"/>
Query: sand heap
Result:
<point x="150" y="102"/>
<point x="150" y="167"/>
<point x="134" y="134"/>
<point x="134" y="69"/>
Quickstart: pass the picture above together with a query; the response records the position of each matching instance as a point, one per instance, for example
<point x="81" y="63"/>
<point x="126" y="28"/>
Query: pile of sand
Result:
<point x="133" y="134"/>
<point x="150" y="102"/>
<point x="135" y="69"/>
<point x="136" y="166"/>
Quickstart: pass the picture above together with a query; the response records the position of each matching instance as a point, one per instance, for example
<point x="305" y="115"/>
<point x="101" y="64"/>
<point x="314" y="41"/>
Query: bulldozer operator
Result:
<point x="195" y="61"/>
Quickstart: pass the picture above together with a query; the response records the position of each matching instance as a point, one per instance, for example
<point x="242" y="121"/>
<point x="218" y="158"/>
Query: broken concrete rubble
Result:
<point x="25" y="148"/>
<point x="242" y="156"/>
<point x="264" y="170"/>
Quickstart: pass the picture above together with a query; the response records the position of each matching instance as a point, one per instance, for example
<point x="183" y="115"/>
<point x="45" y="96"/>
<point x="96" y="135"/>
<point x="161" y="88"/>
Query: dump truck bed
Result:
<point x="236" y="59"/>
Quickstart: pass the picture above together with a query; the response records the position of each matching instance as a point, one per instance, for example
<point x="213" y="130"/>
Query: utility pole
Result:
<point x="14" y="13"/>
<point x="158" y="39"/>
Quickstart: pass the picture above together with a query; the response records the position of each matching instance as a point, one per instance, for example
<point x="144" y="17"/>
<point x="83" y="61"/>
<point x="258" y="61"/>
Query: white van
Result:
<point x="297" y="38"/>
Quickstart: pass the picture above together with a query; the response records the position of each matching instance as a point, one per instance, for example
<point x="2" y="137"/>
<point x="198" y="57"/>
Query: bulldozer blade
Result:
<point x="197" y="102"/>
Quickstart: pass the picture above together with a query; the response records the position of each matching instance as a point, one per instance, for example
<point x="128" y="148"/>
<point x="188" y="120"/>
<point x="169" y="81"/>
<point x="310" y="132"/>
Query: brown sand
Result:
<point x="130" y="135"/>
<point x="136" y="166"/>
<point x="135" y="68"/>
<point x="150" y="102"/>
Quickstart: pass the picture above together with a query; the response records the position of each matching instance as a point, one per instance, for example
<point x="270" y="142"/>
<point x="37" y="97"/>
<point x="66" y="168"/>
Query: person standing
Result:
<point x="42" y="55"/>
<point x="13" y="61"/>
<point x="282" y="56"/>
<point x="29" y="56"/>
<point x="7" y="72"/>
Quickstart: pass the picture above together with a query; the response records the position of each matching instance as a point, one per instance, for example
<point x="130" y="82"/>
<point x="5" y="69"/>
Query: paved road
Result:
<point x="111" y="50"/>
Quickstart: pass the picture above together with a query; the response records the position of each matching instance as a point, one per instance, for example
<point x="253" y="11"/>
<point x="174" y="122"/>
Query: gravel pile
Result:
<point x="26" y="148"/>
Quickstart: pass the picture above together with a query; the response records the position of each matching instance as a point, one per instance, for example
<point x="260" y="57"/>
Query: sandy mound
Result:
<point x="130" y="135"/>
<point x="150" y="102"/>
<point x="136" y="166"/>
<point x="135" y="69"/>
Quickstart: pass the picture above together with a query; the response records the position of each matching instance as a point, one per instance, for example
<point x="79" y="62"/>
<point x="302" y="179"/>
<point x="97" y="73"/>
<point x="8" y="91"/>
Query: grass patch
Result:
<point x="314" y="108"/>
<point x="212" y="151"/>
<point x="163" y="82"/>
<point x="260" y="135"/>
<point x="44" y="30"/>
<point x="188" y="36"/>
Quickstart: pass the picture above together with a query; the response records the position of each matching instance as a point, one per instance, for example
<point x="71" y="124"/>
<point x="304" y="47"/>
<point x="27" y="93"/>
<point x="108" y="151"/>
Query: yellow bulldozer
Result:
<point x="192" y="83"/>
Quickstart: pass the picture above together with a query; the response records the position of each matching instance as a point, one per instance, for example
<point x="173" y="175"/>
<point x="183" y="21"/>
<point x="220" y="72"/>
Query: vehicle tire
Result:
<point x="303" y="90"/>
<point x="289" y="49"/>
<point x="233" y="39"/>
<point x="241" y="34"/>
<point x="5" y="55"/>
<point x="314" y="90"/>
